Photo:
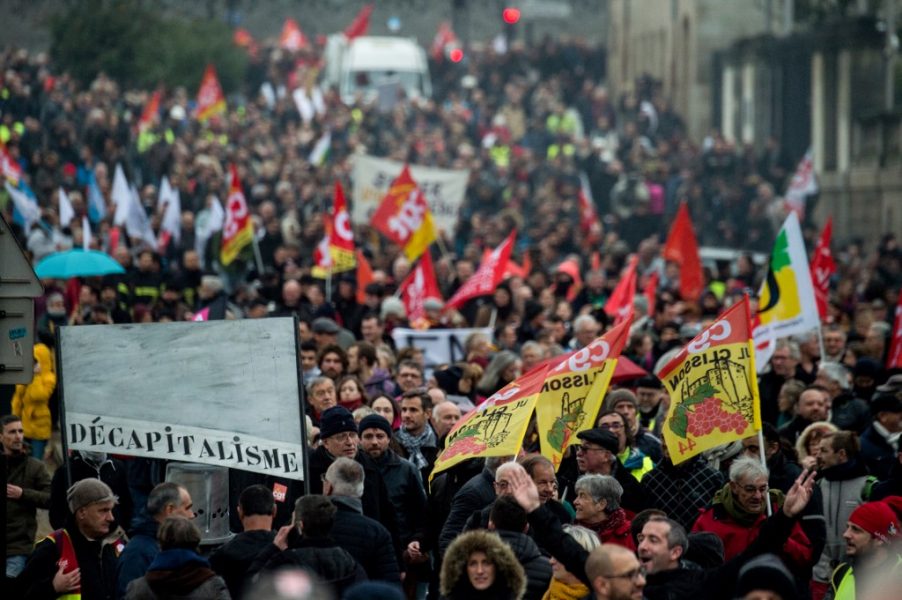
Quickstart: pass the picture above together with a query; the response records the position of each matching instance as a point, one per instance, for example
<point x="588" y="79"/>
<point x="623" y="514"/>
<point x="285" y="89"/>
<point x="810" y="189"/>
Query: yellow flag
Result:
<point x="574" y="390"/>
<point x="713" y="388"/>
<point x="497" y="426"/>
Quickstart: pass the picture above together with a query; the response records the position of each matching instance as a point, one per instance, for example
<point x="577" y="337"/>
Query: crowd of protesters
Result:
<point x="618" y="519"/>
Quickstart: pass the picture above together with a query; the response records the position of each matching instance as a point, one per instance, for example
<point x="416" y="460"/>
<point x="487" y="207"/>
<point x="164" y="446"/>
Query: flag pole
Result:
<point x="258" y="256"/>
<point x="770" y="509"/>
<point x="441" y="245"/>
<point x="329" y="285"/>
<point x="820" y="343"/>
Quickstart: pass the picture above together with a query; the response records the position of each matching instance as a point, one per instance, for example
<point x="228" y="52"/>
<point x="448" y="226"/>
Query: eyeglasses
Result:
<point x="751" y="489"/>
<point x="502" y="485"/>
<point x="614" y="426"/>
<point x="583" y="448"/>
<point x="632" y="575"/>
<point x="344" y="437"/>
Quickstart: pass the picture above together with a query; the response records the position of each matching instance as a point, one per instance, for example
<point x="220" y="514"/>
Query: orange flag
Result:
<point x="151" y="113"/>
<point x="404" y="216"/>
<point x="364" y="275"/>
<point x="292" y="38"/>
<point x="682" y="248"/>
<point x="238" y="230"/>
<point x="210" y="99"/>
<point x="620" y="304"/>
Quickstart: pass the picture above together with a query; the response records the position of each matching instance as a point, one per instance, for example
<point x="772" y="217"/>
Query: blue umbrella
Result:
<point x="77" y="263"/>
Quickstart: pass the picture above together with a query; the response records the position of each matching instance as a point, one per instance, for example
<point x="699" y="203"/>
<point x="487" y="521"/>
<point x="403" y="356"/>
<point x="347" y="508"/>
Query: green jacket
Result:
<point x="31" y="475"/>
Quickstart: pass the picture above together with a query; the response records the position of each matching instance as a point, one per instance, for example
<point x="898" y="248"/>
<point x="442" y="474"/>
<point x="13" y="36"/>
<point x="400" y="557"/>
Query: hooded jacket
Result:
<point x="841" y="487"/>
<point x="31" y="402"/>
<point x="178" y="574"/>
<point x="535" y="565"/>
<point x="510" y="579"/>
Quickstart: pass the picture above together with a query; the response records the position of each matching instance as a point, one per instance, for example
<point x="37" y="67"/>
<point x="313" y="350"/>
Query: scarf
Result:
<point x="891" y="438"/>
<point x="724" y="497"/>
<point x="414" y="444"/>
<point x="558" y="590"/>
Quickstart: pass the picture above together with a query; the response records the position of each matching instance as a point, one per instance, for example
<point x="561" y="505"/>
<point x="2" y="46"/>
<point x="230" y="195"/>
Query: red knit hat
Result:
<point x="878" y="519"/>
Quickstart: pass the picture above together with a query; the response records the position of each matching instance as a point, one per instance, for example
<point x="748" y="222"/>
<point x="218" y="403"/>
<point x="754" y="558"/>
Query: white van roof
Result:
<point x="373" y="53"/>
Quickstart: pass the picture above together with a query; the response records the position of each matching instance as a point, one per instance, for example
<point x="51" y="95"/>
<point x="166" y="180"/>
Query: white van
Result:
<point x="371" y="64"/>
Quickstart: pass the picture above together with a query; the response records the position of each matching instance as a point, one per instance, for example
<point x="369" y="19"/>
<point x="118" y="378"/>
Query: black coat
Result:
<point x="877" y="453"/>
<point x="331" y="563"/>
<point x="406" y="495"/>
<point x="535" y="564"/>
<point x="96" y="561"/>
<point x="366" y="540"/>
<point x="232" y="560"/>
<point x="475" y="495"/>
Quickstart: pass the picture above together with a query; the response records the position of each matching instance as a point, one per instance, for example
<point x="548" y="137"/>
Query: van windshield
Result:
<point x="371" y="80"/>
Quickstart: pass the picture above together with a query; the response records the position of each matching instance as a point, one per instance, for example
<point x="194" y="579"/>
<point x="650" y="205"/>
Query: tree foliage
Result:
<point x="142" y="48"/>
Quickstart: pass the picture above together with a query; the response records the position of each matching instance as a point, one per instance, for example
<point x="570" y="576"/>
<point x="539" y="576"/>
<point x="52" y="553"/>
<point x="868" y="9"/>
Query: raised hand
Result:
<point x="524" y="490"/>
<point x="799" y="494"/>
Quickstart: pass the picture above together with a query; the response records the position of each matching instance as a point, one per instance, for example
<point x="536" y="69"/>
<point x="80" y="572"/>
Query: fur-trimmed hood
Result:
<point x="510" y="579"/>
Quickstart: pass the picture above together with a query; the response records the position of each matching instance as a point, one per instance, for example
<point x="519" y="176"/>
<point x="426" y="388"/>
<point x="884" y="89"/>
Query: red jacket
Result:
<point x="736" y="538"/>
<point x="616" y="529"/>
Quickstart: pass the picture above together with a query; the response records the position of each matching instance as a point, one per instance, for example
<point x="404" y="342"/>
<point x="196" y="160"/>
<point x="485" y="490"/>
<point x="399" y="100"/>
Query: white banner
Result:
<point x="174" y="441"/>
<point x="444" y="189"/>
<point x="439" y="346"/>
<point x="224" y="393"/>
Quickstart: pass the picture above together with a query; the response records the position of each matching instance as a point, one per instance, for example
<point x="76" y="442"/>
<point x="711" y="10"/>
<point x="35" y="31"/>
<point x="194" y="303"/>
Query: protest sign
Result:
<point x="222" y="393"/>
<point x="444" y="189"/>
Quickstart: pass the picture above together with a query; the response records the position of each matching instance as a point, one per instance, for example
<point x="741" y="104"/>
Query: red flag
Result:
<point x="682" y="248"/>
<point x="894" y="358"/>
<point x="360" y="24"/>
<point x="238" y="230"/>
<point x="620" y="304"/>
<point x="243" y="39"/>
<point x="151" y="112"/>
<point x="210" y="99"/>
<point x="364" y="276"/>
<point x="292" y="38"/>
<point x="444" y="37"/>
<point x="419" y="285"/>
<point x="11" y="170"/>
<point x="335" y="252"/>
<point x="651" y="292"/>
<point x="404" y="217"/>
<point x="823" y="268"/>
<point x="587" y="215"/>
<point x="489" y="275"/>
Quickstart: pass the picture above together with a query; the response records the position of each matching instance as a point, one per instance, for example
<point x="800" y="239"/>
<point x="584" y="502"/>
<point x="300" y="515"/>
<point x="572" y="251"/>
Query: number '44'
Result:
<point x="687" y="447"/>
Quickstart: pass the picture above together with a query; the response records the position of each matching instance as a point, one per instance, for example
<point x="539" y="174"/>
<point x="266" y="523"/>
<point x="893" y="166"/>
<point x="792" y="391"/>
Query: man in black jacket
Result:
<point x="365" y="539"/>
<point x="311" y="547"/>
<point x="77" y="559"/>
<point x="508" y="520"/>
<point x="256" y="510"/>
<point x="662" y="544"/>
<point x="475" y="495"/>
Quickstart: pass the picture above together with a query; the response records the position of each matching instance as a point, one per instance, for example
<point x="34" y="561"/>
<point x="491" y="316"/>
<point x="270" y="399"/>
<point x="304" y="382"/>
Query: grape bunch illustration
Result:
<point x="710" y="415"/>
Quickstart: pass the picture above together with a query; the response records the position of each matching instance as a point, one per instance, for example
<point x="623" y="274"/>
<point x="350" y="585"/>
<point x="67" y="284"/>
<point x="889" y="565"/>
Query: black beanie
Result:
<point x="375" y="422"/>
<point x="336" y="419"/>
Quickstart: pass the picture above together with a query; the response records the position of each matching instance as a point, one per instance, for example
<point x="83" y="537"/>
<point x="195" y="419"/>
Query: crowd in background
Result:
<point x="530" y="125"/>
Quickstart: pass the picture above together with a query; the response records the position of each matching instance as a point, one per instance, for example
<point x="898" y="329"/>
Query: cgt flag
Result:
<point x="404" y="216"/>
<point x="335" y="252"/>
<point x="713" y="387"/>
<point x="238" y="230"/>
<point x="682" y="248"/>
<point x="486" y="279"/>
<point x="822" y="269"/>
<point x="573" y="391"/>
<point x="419" y="285"/>
<point x="210" y="99"/>
<point x="497" y="426"/>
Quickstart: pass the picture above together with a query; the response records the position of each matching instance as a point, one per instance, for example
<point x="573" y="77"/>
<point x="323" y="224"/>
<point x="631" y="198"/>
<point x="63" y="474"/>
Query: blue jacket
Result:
<point x="140" y="552"/>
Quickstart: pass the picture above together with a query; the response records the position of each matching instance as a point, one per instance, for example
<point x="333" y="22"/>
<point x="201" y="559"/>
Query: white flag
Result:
<point x="208" y="221"/>
<point x="137" y="224"/>
<point x="121" y="196"/>
<point x="29" y="209"/>
<point x="85" y="233"/>
<point x="321" y="149"/>
<point x="67" y="213"/>
<point x="802" y="185"/>
<point x="170" y="203"/>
